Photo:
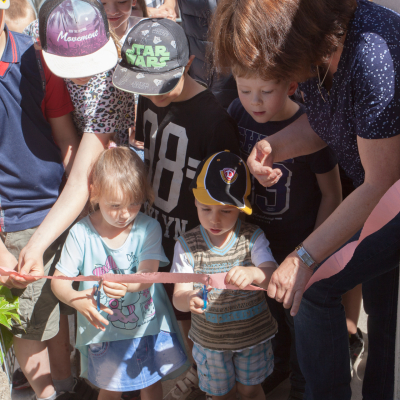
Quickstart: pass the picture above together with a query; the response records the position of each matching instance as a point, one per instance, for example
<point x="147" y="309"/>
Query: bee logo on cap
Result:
<point x="228" y="175"/>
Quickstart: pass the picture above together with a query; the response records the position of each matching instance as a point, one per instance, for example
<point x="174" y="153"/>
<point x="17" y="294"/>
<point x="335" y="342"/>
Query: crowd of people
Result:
<point x="252" y="139"/>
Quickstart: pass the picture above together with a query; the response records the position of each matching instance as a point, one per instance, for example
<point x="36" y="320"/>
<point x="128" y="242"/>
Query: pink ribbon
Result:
<point x="216" y="281"/>
<point x="387" y="208"/>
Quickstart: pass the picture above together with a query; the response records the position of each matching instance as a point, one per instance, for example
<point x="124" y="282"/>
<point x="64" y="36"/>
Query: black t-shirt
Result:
<point x="288" y="210"/>
<point x="364" y="100"/>
<point x="176" y="139"/>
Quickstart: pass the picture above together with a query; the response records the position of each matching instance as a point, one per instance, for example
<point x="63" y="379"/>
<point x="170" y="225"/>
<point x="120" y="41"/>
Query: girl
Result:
<point x="99" y="106"/>
<point x="133" y="342"/>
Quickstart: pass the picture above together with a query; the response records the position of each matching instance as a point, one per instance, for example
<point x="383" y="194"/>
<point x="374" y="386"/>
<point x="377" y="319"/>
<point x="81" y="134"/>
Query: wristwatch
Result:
<point x="305" y="256"/>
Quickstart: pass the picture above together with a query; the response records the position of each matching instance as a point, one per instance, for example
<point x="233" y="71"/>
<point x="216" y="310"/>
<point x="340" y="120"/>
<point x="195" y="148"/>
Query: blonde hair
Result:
<point x="119" y="169"/>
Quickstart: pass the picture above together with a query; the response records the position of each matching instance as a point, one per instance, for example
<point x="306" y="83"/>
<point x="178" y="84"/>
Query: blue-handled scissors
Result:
<point x="97" y="287"/>
<point x="205" y="293"/>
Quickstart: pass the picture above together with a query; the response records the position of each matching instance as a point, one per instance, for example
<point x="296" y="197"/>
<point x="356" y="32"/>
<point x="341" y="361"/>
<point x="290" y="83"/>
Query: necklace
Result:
<point x="319" y="85"/>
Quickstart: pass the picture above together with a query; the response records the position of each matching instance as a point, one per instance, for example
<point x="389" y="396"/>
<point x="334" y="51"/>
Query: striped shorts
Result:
<point x="218" y="371"/>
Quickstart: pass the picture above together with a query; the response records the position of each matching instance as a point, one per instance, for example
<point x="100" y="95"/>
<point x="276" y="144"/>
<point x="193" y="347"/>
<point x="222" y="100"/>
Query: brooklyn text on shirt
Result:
<point x="166" y="222"/>
<point x="149" y="57"/>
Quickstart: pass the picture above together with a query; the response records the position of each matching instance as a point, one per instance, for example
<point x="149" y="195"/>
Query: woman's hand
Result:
<point x="240" y="276"/>
<point x="288" y="282"/>
<point x="86" y="304"/>
<point x="115" y="290"/>
<point x="7" y="261"/>
<point x="260" y="163"/>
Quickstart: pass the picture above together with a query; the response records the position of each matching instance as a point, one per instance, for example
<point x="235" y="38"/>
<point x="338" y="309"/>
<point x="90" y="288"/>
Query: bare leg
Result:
<point x="185" y="328"/>
<point x="250" y="392"/>
<point x="152" y="392"/>
<point x="229" y="396"/>
<point x="59" y="351"/>
<point x="108" y="395"/>
<point x="352" y="304"/>
<point x="33" y="358"/>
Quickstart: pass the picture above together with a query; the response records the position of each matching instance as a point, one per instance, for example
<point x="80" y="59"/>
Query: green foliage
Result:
<point x="8" y="312"/>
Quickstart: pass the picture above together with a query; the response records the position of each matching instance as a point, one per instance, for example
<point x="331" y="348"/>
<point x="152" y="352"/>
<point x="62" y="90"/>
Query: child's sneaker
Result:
<point x="356" y="347"/>
<point x="19" y="380"/>
<point x="187" y="388"/>
<point x="81" y="391"/>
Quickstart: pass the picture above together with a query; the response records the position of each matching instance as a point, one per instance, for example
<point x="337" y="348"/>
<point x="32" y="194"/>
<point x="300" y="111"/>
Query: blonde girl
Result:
<point x="132" y="343"/>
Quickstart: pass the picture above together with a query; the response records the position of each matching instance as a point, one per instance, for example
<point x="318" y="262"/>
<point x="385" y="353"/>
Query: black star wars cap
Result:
<point x="223" y="179"/>
<point x="154" y="57"/>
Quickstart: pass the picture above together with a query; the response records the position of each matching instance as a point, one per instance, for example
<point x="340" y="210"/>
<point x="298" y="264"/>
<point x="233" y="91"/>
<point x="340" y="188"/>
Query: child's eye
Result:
<point x="263" y="92"/>
<point x="226" y="211"/>
<point x="245" y="91"/>
<point x="114" y="205"/>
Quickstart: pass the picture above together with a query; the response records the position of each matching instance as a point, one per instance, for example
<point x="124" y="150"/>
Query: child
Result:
<point x="99" y="107"/>
<point x="232" y="337"/>
<point x="38" y="143"/>
<point x="289" y="211"/>
<point x="131" y="344"/>
<point x="180" y="123"/>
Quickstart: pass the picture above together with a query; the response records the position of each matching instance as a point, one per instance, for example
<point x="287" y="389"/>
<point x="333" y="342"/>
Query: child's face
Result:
<point x="265" y="100"/>
<point x="165" y="100"/>
<point x="118" y="12"/>
<point x="217" y="220"/>
<point x="115" y="211"/>
<point x="81" y="81"/>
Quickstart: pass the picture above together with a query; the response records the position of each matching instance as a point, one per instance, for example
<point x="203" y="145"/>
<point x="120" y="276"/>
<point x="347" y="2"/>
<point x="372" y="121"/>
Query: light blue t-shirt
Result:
<point x="136" y="314"/>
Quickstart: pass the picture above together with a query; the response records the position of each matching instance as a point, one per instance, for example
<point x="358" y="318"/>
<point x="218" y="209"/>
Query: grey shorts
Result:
<point x="39" y="308"/>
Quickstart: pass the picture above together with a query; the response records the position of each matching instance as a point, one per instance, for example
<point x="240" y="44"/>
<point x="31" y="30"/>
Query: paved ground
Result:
<point x="280" y="393"/>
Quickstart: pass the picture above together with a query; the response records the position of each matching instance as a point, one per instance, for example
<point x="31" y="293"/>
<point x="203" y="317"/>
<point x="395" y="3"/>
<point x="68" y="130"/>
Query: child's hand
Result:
<point x="115" y="290"/>
<point x="196" y="303"/>
<point x="240" y="276"/>
<point x="86" y="304"/>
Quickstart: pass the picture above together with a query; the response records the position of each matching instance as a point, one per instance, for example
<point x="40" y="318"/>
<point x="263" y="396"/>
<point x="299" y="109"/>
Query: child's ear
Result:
<point x="191" y="58"/>
<point x="292" y="88"/>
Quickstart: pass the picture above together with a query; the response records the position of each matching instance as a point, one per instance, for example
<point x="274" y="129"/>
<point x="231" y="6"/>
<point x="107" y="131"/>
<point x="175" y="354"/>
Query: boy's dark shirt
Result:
<point x="184" y="133"/>
<point x="288" y="210"/>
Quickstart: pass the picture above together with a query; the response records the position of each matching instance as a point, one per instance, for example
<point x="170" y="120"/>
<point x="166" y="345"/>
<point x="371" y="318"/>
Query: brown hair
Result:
<point x="115" y="39"/>
<point x="119" y="168"/>
<point x="143" y="8"/>
<point x="19" y="9"/>
<point x="278" y="39"/>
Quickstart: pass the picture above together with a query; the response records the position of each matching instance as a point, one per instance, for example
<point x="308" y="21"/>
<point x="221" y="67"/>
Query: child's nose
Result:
<point x="255" y="100"/>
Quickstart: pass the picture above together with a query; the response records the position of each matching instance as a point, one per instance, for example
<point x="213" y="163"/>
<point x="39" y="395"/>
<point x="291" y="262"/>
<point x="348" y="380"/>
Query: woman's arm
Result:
<point x="68" y="206"/>
<point x="331" y="190"/>
<point x="381" y="161"/>
<point x="297" y="139"/>
<point x="66" y="138"/>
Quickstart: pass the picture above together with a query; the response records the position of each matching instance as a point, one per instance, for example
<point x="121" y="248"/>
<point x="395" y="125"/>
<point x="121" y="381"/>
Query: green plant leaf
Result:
<point x="7" y="341"/>
<point x="3" y="321"/>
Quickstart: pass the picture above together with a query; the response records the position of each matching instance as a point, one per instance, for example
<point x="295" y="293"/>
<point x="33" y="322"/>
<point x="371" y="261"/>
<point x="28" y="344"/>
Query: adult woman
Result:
<point x="348" y="54"/>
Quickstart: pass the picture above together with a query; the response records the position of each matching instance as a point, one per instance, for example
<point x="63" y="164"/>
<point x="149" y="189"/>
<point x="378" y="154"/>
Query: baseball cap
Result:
<point x="4" y="4"/>
<point x="75" y="38"/>
<point x="154" y="57"/>
<point x="223" y="179"/>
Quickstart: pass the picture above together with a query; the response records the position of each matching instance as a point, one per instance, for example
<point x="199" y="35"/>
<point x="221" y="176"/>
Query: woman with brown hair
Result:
<point x="347" y="54"/>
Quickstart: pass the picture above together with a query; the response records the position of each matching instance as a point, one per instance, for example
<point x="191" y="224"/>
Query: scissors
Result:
<point x="205" y="293"/>
<point x="97" y="287"/>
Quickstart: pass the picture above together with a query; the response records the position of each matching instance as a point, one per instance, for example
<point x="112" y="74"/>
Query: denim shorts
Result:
<point x="134" y="364"/>
<point x="218" y="371"/>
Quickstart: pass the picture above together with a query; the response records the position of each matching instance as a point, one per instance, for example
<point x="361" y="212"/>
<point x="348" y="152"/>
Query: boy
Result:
<point x="37" y="143"/>
<point x="231" y="338"/>
<point x="180" y="123"/>
<point x="19" y="15"/>
<point x="289" y="211"/>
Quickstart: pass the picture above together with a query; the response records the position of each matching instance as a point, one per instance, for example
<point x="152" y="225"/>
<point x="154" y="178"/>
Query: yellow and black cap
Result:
<point x="223" y="179"/>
